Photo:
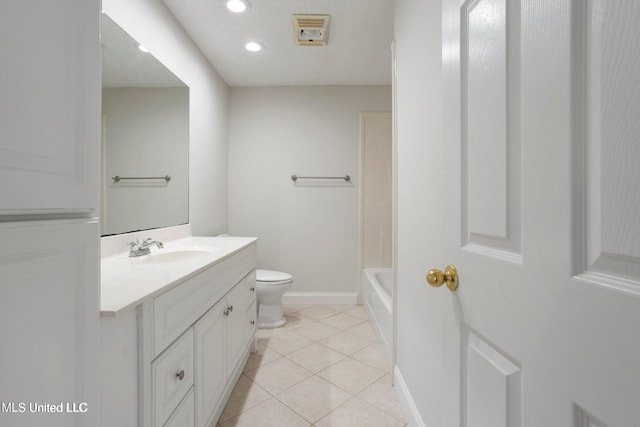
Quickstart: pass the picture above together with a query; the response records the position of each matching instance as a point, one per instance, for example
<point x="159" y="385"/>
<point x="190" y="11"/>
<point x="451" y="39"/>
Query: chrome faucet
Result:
<point x="138" y="249"/>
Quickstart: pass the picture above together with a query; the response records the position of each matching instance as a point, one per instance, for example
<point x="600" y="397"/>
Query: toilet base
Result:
<point x="270" y="315"/>
<point x="272" y="324"/>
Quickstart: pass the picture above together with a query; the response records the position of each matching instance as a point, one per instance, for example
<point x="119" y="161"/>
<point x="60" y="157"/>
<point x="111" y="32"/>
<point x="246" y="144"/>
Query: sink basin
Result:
<point x="176" y="255"/>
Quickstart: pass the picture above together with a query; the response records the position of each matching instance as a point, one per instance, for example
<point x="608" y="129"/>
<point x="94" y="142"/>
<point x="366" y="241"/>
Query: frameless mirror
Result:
<point x="145" y="138"/>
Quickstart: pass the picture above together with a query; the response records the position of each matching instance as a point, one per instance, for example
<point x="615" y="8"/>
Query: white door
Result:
<point x="541" y="151"/>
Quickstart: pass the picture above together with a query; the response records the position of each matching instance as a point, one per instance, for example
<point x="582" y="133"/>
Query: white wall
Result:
<point x="418" y="50"/>
<point x="309" y="229"/>
<point x="151" y="23"/>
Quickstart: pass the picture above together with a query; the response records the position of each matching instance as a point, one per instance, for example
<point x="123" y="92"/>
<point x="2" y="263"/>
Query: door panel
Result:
<point x="485" y="104"/>
<point x="493" y="391"/>
<point x="49" y="125"/>
<point x="49" y="325"/>
<point x="607" y="238"/>
<point x="541" y="98"/>
<point x="491" y="191"/>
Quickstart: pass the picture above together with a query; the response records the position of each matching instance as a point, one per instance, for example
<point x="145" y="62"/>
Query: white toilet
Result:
<point x="270" y="286"/>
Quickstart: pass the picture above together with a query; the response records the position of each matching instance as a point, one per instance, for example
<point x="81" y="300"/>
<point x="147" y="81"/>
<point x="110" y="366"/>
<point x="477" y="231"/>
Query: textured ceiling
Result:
<point x="358" y="51"/>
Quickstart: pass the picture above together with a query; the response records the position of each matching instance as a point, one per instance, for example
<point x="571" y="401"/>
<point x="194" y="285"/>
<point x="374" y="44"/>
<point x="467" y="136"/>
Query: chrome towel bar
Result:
<point x="117" y="178"/>
<point x="294" y="178"/>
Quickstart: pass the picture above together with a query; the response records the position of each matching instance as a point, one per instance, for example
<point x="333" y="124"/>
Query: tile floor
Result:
<point x="324" y="368"/>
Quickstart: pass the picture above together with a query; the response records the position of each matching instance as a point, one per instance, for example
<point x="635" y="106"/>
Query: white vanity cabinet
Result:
<point x="187" y="346"/>
<point x="194" y="342"/>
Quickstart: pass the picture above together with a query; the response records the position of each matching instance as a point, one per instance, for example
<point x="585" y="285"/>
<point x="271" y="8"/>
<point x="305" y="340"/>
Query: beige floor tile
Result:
<point x="313" y="398"/>
<point x="286" y="342"/>
<point x="342" y="321"/>
<point x="293" y="308"/>
<point x="339" y="307"/>
<point x="356" y="311"/>
<point x="317" y="331"/>
<point x="315" y="357"/>
<point x="382" y="395"/>
<point x="317" y="311"/>
<point x="245" y="395"/>
<point x="357" y="413"/>
<point x="262" y="355"/>
<point x="346" y="342"/>
<point x="351" y="375"/>
<point x="374" y="357"/>
<point x="364" y="330"/>
<point x="313" y="341"/>
<point x="271" y="413"/>
<point x="277" y="376"/>
<point x="297" y="320"/>
<point x="265" y="333"/>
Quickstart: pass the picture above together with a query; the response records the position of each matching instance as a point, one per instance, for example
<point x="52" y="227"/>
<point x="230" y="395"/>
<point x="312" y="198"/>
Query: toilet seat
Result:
<point x="272" y="278"/>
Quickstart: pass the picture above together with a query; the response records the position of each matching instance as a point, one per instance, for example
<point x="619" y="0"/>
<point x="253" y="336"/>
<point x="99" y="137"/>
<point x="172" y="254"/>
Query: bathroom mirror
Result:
<point x="145" y="138"/>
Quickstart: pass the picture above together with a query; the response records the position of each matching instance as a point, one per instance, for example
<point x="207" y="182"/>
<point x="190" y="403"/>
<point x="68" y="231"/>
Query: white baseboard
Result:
<point x="320" y="298"/>
<point x="404" y="396"/>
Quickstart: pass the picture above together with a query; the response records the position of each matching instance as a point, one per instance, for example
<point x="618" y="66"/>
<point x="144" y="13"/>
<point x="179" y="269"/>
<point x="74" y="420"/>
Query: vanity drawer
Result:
<point x="179" y="308"/>
<point x="171" y="377"/>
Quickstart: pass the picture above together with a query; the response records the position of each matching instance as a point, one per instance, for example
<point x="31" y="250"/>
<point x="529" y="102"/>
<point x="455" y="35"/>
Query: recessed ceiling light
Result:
<point x="254" y="47"/>
<point x="237" y="6"/>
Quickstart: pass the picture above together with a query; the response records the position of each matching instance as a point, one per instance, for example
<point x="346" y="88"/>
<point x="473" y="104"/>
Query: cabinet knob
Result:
<point x="252" y="289"/>
<point x="230" y="308"/>
<point x="253" y="322"/>
<point x="226" y="312"/>
<point x="180" y="374"/>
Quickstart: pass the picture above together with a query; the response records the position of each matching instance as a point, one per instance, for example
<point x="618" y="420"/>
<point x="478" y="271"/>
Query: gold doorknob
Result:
<point x="437" y="278"/>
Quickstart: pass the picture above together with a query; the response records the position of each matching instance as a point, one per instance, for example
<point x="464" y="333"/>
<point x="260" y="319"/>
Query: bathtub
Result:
<point x="378" y="292"/>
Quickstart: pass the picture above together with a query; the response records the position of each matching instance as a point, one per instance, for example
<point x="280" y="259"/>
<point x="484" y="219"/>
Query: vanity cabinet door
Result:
<point x="251" y="318"/>
<point x="237" y="300"/>
<point x="250" y="281"/>
<point x="211" y="356"/>
<point x="49" y="106"/>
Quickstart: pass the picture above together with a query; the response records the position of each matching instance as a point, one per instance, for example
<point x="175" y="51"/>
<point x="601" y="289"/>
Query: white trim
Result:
<point x="404" y="396"/>
<point x="361" y="210"/>
<point x="320" y="298"/>
<point x="394" y="201"/>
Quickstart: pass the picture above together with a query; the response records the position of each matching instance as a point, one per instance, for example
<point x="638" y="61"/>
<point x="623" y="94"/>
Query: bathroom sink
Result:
<point x="176" y="255"/>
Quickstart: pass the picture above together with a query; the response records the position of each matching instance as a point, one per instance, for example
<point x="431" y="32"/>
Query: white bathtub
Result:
<point x="378" y="294"/>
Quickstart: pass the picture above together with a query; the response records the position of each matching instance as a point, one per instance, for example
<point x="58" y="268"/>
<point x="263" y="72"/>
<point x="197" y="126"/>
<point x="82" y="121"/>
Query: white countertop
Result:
<point x="129" y="281"/>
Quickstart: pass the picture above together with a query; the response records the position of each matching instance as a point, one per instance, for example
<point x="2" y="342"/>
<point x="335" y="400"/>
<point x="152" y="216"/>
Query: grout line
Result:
<point x="370" y="344"/>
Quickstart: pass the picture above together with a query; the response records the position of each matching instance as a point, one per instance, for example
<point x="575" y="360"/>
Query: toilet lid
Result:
<point x="272" y="276"/>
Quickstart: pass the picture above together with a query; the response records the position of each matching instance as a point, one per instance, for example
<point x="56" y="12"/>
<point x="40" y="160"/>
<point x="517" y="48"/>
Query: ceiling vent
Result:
<point x="311" y="30"/>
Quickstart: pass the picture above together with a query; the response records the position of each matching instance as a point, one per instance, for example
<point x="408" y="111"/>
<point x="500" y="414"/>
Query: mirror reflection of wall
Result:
<point x="145" y="121"/>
